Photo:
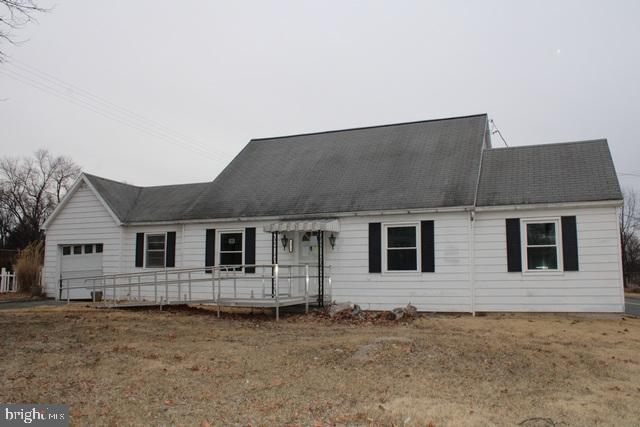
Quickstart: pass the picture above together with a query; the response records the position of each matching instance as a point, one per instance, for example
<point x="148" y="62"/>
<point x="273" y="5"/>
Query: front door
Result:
<point x="308" y="247"/>
<point x="307" y="253"/>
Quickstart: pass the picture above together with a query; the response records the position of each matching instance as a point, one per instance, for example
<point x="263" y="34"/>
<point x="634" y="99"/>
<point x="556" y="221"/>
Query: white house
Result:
<point x="426" y="213"/>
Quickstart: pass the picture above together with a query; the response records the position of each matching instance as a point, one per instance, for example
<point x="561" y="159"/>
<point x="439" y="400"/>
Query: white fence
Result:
<point x="8" y="282"/>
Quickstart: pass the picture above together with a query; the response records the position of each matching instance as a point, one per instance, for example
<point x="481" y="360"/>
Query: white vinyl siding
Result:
<point x="445" y="290"/>
<point x="84" y="220"/>
<point x="596" y="287"/>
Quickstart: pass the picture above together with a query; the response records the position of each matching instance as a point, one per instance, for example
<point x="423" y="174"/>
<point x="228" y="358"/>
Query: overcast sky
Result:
<point x="205" y="77"/>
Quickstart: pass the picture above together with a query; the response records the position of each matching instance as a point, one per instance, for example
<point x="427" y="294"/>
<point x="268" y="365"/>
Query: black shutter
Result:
<point x="375" y="247"/>
<point x="514" y="250"/>
<point x="209" y="249"/>
<point x="139" y="249"/>
<point x="428" y="247"/>
<point x="569" y="243"/>
<point x="170" y="259"/>
<point x="250" y="248"/>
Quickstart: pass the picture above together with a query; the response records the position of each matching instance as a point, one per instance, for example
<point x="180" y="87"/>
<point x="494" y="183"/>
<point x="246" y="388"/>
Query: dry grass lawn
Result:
<point x="190" y="368"/>
<point x="15" y="296"/>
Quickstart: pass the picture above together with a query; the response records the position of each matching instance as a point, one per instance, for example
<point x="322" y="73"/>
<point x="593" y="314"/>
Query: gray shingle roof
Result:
<point x="412" y="165"/>
<point x="131" y="203"/>
<point x="548" y="173"/>
<point x="119" y="196"/>
<point x="428" y="164"/>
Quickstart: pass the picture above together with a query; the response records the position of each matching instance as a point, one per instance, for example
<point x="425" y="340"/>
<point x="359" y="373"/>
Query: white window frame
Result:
<point x="83" y="251"/>
<point x="385" y="248"/>
<point x="146" y="248"/>
<point x="218" y="248"/>
<point x="525" y="245"/>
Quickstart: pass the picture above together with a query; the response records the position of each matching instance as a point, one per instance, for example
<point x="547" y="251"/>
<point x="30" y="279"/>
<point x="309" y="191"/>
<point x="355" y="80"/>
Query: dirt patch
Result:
<point x="370" y="352"/>
<point x="186" y="367"/>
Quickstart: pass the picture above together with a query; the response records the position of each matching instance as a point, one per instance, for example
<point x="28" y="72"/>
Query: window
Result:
<point x="231" y="248"/>
<point x="401" y="249"/>
<point x="77" y="250"/>
<point x="99" y="248"/>
<point x="88" y="249"/>
<point x="155" y="251"/>
<point x="66" y="250"/>
<point x="541" y="246"/>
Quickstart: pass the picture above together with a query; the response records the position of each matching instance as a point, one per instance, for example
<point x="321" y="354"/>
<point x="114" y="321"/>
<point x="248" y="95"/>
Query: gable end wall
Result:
<point x="83" y="219"/>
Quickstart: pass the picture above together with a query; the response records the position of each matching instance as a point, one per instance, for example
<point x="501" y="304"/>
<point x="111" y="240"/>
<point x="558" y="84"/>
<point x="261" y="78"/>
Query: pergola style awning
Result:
<point x="311" y="225"/>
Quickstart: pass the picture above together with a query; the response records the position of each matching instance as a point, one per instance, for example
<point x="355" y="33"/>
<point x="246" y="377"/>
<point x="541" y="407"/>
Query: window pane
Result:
<point x="541" y="234"/>
<point x="155" y="259"/>
<point x="77" y="250"/>
<point x="99" y="248"/>
<point x="88" y="249"/>
<point x="231" y="242"/>
<point x="66" y="250"/>
<point x="401" y="237"/>
<point x="402" y="259"/>
<point x="542" y="258"/>
<point x="155" y="242"/>
<point x="233" y="258"/>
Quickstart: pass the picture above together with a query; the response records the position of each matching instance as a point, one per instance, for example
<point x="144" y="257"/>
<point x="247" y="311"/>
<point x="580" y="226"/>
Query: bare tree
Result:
<point x="629" y="234"/>
<point x="15" y="14"/>
<point x="30" y="189"/>
<point x="7" y="224"/>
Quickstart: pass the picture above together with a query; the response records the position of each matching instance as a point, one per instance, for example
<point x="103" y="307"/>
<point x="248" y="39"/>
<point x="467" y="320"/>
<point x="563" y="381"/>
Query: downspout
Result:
<point x="620" y="267"/>
<point x="182" y="246"/>
<point x="472" y="257"/>
<point x="486" y="143"/>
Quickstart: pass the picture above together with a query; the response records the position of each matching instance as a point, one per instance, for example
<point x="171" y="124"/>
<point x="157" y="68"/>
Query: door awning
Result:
<point x="310" y="225"/>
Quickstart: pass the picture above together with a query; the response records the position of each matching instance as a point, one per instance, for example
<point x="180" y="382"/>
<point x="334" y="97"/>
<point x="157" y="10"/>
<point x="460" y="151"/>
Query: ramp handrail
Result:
<point x="219" y="277"/>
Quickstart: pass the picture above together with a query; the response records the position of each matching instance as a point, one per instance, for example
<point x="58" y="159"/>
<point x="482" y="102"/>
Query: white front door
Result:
<point x="77" y="262"/>
<point x="308" y="245"/>
<point x="307" y="253"/>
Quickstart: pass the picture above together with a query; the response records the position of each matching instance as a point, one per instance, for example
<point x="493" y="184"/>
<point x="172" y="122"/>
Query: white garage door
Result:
<point x="80" y="261"/>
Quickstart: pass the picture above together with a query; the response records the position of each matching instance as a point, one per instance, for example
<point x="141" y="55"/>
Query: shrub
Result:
<point x="29" y="267"/>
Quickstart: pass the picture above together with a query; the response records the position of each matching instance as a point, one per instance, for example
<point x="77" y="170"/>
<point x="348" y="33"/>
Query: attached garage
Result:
<point x="78" y="262"/>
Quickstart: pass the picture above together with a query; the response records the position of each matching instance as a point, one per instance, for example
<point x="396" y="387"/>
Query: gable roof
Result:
<point x="137" y="204"/>
<point x="425" y="164"/>
<point x="549" y="173"/>
<point x="417" y="165"/>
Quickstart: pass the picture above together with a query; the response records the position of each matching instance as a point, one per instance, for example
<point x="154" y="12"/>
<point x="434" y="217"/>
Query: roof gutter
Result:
<point x="601" y="203"/>
<point x="307" y="216"/>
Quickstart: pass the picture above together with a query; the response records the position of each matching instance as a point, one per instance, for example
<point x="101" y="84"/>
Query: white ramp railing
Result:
<point x="264" y="285"/>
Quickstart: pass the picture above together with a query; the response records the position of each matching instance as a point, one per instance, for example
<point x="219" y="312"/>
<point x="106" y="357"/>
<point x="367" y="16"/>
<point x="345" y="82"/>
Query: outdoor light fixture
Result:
<point x="332" y="240"/>
<point x="284" y="241"/>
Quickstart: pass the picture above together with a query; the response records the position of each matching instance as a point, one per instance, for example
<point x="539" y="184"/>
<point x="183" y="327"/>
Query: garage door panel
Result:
<point x="76" y="267"/>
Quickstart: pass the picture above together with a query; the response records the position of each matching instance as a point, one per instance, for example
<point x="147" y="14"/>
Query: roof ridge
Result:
<point x="370" y="127"/>
<point x="550" y="144"/>
<point x="142" y="186"/>
<point x="177" y="185"/>
<point x="110" y="180"/>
